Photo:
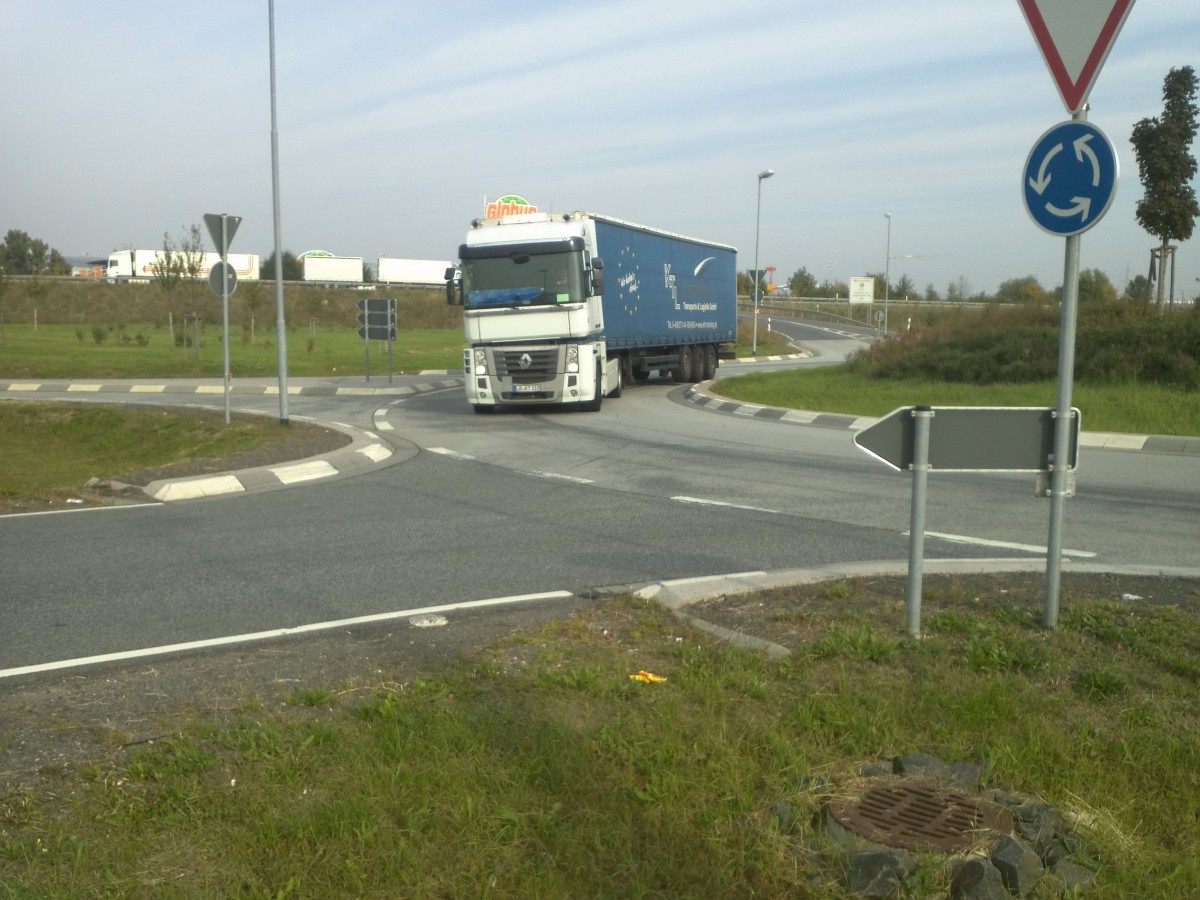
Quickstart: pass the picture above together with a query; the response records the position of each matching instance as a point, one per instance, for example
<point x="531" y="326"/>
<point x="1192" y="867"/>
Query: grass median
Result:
<point x="541" y="768"/>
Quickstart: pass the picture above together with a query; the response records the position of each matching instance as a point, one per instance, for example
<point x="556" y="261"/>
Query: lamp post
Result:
<point x="887" y="272"/>
<point x="764" y="174"/>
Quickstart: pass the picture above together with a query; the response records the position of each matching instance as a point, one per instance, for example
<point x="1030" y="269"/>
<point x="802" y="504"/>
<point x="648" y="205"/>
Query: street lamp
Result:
<point x="887" y="272"/>
<point x="764" y="174"/>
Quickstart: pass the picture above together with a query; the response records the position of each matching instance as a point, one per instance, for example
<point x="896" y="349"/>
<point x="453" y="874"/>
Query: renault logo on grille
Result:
<point x="525" y="361"/>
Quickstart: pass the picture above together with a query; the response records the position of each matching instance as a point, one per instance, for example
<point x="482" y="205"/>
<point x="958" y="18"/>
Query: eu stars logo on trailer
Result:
<point x="1070" y="178"/>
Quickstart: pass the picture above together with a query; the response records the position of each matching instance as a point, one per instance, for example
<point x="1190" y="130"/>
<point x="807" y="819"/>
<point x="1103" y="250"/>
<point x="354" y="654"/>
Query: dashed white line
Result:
<point x="1004" y="545"/>
<point x="454" y="454"/>
<point x="560" y="477"/>
<point x="704" y="502"/>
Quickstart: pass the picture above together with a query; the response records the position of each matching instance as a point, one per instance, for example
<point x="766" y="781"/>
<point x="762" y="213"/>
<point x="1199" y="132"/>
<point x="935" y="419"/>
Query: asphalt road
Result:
<point x="469" y="508"/>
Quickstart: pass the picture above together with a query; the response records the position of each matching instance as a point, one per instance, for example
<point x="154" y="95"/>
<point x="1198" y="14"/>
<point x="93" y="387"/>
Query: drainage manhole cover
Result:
<point x="917" y="815"/>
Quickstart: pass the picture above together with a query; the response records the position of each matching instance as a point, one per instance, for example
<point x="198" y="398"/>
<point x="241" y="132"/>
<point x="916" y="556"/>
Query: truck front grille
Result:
<point x="527" y="366"/>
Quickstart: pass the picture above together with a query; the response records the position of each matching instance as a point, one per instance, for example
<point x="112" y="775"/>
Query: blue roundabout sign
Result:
<point x="1070" y="178"/>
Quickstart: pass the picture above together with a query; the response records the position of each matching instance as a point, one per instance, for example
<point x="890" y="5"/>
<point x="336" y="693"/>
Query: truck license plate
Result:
<point x="527" y="388"/>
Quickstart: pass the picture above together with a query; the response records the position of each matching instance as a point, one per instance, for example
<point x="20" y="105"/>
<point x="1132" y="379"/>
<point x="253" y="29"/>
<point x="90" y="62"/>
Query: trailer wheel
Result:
<point x="682" y="372"/>
<point x="697" y="363"/>
<point x="710" y="362"/>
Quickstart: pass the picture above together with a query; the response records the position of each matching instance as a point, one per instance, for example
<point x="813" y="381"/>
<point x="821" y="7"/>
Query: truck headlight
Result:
<point x="572" y="358"/>
<point x="480" y="361"/>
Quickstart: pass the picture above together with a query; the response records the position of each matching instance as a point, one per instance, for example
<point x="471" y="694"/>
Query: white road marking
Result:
<point x="277" y="632"/>
<point x="703" y="502"/>
<point x="561" y="477"/>
<point x="451" y="453"/>
<point x="1004" y="545"/>
<point x="84" y="509"/>
<point x="375" y="452"/>
<point x="305" y="471"/>
<point x="201" y="487"/>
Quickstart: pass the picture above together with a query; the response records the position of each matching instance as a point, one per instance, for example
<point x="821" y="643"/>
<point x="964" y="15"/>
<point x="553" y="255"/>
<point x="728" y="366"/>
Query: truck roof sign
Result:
<point x="508" y="205"/>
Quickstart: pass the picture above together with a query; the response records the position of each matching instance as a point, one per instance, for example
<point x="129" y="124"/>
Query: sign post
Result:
<point x="377" y="322"/>
<point x="1075" y="39"/>
<point x="964" y="439"/>
<point x="223" y="279"/>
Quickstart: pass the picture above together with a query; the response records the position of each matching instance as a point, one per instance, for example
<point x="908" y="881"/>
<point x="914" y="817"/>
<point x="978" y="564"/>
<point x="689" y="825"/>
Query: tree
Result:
<point x="177" y="264"/>
<point x="959" y="290"/>
<point x="1021" y="290"/>
<point x="1094" y="287"/>
<point x="802" y="284"/>
<point x="1162" y="146"/>
<point x="22" y="255"/>
<point x="904" y="288"/>
<point x="931" y="294"/>
<point x="1138" y="290"/>
<point x="292" y="269"/>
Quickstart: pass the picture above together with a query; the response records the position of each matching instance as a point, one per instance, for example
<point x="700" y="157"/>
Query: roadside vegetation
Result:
<point x="541" y="768"/>
<point x="98" y="330"/>
<point x="1136" y="371"/>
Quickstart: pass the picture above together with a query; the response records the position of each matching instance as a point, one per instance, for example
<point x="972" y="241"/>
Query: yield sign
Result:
<point x="1075" y="37"/>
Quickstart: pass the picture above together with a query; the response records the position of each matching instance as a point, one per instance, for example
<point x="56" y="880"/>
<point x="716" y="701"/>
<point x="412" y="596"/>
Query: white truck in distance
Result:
<point x="569" y="307"/>
<point x="138" y="265"/>
<point x="333" y="268"/>
<point x="417" y="272"/>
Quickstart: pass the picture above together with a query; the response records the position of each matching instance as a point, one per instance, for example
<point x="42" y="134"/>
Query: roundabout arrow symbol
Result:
<point x="1043" y="177"/>
<point x="1082" y="207"/>
<point x="1082" y="149"/>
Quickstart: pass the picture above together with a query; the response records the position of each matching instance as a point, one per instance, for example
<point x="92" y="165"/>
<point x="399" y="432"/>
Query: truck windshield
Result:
<point x="523" y="279"/>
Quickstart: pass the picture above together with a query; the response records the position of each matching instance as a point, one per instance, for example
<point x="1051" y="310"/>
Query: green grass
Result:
<point x="49" y="449"/>
<point x="562" y="777"/>
<point x="1129" y="408"/>
<point x="66" y="351"/>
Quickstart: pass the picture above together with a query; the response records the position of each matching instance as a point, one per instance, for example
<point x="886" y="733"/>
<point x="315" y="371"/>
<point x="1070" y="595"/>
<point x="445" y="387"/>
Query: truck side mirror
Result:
<point x="597" y="276"/>
<point x="452" y="292"/>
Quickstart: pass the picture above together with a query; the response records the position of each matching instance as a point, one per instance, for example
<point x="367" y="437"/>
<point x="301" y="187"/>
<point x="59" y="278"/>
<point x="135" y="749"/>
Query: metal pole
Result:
<point x="225" y="307"/>
<point x="1062" y="422"/>
<point x="765" y="173"/>
<point x="916" y="528"/>
<point x="757" y="225"/>
<point x="887" y="273"/>
<point x="280" y="321"/>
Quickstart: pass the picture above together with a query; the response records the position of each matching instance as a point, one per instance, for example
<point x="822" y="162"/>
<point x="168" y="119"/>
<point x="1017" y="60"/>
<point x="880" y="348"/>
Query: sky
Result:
<point x="126" y="121"/>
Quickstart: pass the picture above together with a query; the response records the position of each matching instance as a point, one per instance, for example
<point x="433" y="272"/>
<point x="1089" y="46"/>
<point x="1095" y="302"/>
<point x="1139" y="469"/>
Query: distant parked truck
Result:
<point x="569" y="307"/>
<point x="320" y="266"/>
<point x="138" y="265"/>
<point x="419" y="272"/>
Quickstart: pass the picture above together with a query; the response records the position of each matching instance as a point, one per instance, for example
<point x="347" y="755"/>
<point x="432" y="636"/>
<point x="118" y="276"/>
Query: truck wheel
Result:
<point x="710" y="363"/>
<point x="596" y="402"/>
<point x="620" y="385"/>
<point x="640" y="372"/>
<point x="682" y="372"/>
<point x="697" y="363"/>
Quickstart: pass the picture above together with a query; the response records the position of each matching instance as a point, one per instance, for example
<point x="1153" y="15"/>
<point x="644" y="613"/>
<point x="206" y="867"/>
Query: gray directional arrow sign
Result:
<point x="971" y="439"/>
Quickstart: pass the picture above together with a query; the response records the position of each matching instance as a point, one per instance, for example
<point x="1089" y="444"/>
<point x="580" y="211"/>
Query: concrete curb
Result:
<point x="700" y="395"/>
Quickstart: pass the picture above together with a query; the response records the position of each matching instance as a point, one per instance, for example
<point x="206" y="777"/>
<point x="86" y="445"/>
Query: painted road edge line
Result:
<point x="166" y="649"/>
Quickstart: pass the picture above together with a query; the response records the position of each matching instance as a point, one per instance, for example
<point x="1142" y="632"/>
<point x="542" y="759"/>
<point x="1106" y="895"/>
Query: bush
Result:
<point x="1115" y="344"/>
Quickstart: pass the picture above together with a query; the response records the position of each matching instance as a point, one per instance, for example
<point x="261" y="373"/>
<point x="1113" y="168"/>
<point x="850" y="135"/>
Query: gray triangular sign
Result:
<point x="213" y="221"/>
